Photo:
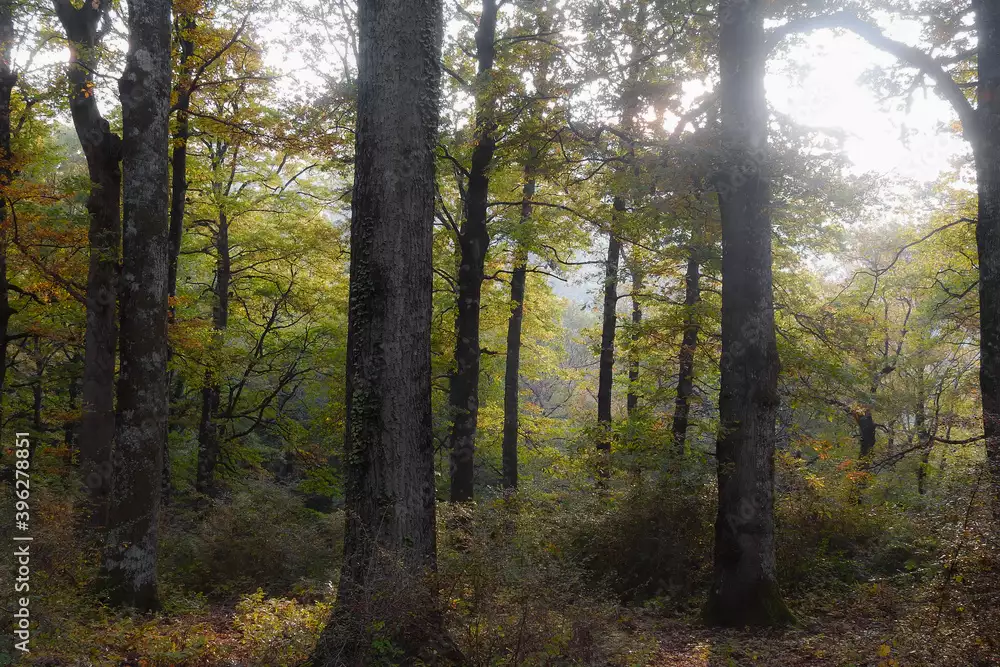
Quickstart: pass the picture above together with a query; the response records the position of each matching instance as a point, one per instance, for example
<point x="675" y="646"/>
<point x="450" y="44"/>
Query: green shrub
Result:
<point x="260" y="538"/>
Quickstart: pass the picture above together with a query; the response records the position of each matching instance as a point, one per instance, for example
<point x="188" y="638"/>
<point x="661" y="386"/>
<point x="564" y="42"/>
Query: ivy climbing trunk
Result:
<point x="128" y="571"/>
<point x="474" y="241"/>
<point x="389" y="458"/>
<point x="103" y="151"/>
<point x="689" y="346"/>
<point x="745" y="589"/>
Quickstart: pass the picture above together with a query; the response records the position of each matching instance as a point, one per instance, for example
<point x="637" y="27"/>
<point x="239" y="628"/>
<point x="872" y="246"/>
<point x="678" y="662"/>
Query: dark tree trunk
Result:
<point x="866" y="431"/>
<point x="745" y="590"/>
<point x="689" y="346"/>
<point x="179" y="183"/>
<point x="129" y="567"/>
<point x="606" y="365"/>
<point x="184" y="25"/>
<point x="69" y="427"/>
<point x="629" y="100"/>
<point x="512" y="385"/>
<point x="8" y="79"/>
<point x="103" y="151"/>
<point x="36" y="387"/>
<point x="474" y="241"/>
<point x="209" y="429"/>
<point x="389" y="491"/>
<point x="987" y="153"/>
<point x="923" y="438"/>
<point x="632" y="398"/>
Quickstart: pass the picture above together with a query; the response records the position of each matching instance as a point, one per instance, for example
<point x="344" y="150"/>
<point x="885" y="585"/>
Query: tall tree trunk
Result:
<point x="209" y="430"/>
<point x="629" y="100"/>
<point x="103" y="150"/>
<point x="129" y="567"/>
<point x="987" y="154"/>
<point x="689" y="346"/>
<point x="8" y="79"/>
<point x="923" y="437"/>
<point x="512" y="385"/>
<point x="606" y="365"/>
<point x="474" y="241"/>
<point x="745" y="589"/>
<point x="185" y="24"/>
<point x="632" y="398"/>
<point x="37" y="386"/>
<point x="389" y="441"/>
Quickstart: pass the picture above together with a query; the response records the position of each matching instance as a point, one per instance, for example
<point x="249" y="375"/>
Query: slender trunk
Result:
<point x="209" y="431"/>
<point x="745" y="589"/>
<point x="923" y="437"/>
<point x="103" y="150"/>
<point x="129" y="566"/>
<point x="689" y="345"/>
<point x="389" y="490"/>
<point x="629" y="100"/>
<point x="606" y="367"/>
<point x="632" y="399"/>
<point x="179" y="182"/>
<point x="69" y="428"/>
<point x="474" y="241"/>
<point x="8" y="79"/>
<point x="36" y="387"/>
<point x="866" y="431"/>
<point x="511" y="388"/>
<point x="185" y="25"/>
<point x="987" y="154"/>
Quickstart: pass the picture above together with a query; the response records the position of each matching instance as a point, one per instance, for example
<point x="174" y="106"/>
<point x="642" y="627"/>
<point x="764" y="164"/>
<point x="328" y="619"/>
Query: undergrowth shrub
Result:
<point x="830" y="533"/>
<point x="654" y="540"/>
<point x="515" y="596"/>
<point x="262" y="537"/>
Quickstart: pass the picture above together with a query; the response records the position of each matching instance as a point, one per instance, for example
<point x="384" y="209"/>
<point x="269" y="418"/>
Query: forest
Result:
<point x="613" y="333"/>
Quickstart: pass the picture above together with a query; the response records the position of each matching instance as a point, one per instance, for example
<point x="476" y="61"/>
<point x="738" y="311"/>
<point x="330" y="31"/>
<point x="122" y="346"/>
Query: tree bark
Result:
<point x="745" y="589"/>
<point x="178" y="159"/>
<point x="474" y="241"/>
<point x="629" y="100"/>
<point x="390" y="494"/>
<point x="987" y="154"/>
<point x="129" y="567"/>
<point x="606" y="364"/>
<point x="8" y="79"/>
<point x="923" y="437"/>
<point x="632" y="398"/>
<point x="689" y="345"/>
<point x="103" y="150"/>
<point x="512" y="385"/>
<point x="209" y="429"/>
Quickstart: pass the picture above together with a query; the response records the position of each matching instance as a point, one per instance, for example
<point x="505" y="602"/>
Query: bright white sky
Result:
<point x="826" y="92"/>
<point x="817" y="83"/>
